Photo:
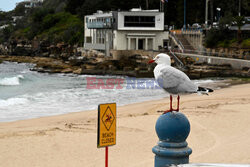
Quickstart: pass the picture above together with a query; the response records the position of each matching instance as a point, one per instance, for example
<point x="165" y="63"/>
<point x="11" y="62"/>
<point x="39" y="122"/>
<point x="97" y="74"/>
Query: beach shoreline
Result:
<point x="56" y="94"/>
<point x="219" y="133"/>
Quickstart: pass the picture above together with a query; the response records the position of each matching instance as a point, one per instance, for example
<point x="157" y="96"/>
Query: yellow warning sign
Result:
<point x="106" y="125"/>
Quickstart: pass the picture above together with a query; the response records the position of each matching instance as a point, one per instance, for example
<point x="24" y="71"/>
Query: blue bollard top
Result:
<point x="172" y="127"/>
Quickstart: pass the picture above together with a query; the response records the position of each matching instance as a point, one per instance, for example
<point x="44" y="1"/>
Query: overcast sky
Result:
<point x="7" y="5"/>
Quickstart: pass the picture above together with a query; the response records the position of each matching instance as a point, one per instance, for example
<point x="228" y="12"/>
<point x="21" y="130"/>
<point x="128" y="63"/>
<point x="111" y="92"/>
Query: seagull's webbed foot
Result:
<point x="167" y="111"/>
<point x="171" y="108"/>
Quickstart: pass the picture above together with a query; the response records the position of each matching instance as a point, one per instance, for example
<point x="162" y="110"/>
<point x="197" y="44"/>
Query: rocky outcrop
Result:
<point x="43" y="64"/>
<point x="91" y="62"/>
<point x="206" y="71"/>
<point x="63" y="58"/>
<point x="135" y="66"/>
<point x="237" y="53"/>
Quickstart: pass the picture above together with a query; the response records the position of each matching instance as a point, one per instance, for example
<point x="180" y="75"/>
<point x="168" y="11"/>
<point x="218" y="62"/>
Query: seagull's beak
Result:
<point x="151" y="61"/>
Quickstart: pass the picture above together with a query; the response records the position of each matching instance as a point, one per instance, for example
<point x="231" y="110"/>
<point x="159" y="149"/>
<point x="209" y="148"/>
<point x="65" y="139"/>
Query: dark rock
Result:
<point x="64" y="56"/>
<point x="67" y="70"/>
<point x="136" y="56"/>
<point x="78" y="71"/>
<point x="77" y="61"/>
<point x="42" y="70"/>
<point x="144" y="74"/>
<point x="245" y="69"/>
<point x="45" y="54"/>
<point x="21" y="51"/>
<point x="89" y="67"/>
<point x="127" y="69"/>
<point x="100" y="55"/>
<point x="52" y="56"/>
<point x="248" y="72"/>
<point x="194" y="74"/>
<point x="209" y="73"/>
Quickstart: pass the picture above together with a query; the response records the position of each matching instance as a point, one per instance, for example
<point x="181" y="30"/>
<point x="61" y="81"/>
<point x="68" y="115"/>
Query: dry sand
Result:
<point x="220" y="133"/>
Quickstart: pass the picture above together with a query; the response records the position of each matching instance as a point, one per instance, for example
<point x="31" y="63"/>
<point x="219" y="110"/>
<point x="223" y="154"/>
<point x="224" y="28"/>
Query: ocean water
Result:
<point x="26" y="94"/>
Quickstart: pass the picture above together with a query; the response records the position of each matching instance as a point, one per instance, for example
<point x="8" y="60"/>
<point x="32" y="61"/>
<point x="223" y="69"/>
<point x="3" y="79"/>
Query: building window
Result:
<point x="139" y="21"/>
<point x="150" y="44"/>
<point x="165" y="44"/>
<point x="100" y="36"/>
<point x="88" y="39"/>
<point x="141" y="43"/>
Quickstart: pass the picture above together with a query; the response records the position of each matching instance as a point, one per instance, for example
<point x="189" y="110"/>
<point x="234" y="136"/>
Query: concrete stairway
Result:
<point x="188" y="48"/>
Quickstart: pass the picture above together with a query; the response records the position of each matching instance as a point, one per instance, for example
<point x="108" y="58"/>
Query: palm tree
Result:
<point x="239" y="22"/>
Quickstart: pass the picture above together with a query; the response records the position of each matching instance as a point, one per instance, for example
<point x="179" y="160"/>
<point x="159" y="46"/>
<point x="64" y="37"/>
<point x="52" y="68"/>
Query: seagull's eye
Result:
<point x="156" y="58"/>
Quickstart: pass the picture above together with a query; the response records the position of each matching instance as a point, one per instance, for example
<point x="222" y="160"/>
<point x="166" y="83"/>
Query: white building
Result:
<point x="16" y="18"/>
<point x="31" y="3"/>
<point x="125" y="30"/>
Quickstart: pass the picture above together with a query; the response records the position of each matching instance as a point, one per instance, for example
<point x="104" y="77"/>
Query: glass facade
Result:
<point x="139" y="21"/>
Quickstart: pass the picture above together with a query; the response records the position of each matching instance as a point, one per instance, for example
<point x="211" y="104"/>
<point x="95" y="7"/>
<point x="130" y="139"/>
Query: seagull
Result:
<point x="174" y="81"/>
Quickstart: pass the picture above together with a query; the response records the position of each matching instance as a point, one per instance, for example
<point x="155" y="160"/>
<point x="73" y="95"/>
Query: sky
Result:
<point x="7" y="5"/>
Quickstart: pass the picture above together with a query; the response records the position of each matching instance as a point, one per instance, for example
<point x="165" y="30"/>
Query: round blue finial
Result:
<point x="172" y="127"/>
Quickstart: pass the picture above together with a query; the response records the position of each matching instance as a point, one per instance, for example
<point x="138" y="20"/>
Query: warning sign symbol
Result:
<point x="108" y="118"/>
<point x="106" y="130"/>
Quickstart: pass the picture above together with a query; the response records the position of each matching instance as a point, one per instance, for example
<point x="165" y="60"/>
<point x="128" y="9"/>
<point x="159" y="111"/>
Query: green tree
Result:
<point x="20" y="9"/>
<point x="225" y="22"/>
<point x="245" y="8"/>
<point x="6" y="33"/>
<point x="215" y="36"/>
<point x="57" y="5"/>
<point x="239" y="22"/>
<point x="73" y="6"/>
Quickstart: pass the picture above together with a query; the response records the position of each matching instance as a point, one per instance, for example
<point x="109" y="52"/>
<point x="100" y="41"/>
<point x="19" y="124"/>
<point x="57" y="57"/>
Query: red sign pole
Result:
<point x="106" y="156"/>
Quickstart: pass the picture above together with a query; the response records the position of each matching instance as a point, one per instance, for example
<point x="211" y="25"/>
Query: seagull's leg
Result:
<point x="171" y="99"/>
<point x="178" y="103"/>
<point x="171" y="108"/>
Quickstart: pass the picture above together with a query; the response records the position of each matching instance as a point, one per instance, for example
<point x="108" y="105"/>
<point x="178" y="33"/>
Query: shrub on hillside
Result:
<point x="214" y="36"/>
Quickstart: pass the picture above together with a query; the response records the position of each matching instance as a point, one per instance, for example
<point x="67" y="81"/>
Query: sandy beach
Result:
<point x="219" y="134"/>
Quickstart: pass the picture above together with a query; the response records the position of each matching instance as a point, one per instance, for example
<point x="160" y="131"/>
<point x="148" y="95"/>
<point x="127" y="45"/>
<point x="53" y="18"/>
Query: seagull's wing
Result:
<point x="175" y="81"/>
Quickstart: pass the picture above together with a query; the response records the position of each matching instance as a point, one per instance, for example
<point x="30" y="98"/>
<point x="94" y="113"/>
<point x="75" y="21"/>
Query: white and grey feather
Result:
<point x="173" y="80"/>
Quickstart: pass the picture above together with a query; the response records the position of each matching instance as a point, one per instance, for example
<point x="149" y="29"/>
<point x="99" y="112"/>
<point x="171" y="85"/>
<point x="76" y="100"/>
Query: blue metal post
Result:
<point x="184" y="26"/>
<point x="172" y="129"/>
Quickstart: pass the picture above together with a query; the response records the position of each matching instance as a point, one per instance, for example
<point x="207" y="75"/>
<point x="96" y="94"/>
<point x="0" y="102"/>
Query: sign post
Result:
<point x="106" y="156"/>
<point x="106" y="132"/>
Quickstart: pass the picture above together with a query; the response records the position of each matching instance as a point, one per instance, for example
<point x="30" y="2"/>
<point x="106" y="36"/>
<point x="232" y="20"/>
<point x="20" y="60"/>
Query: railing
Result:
<point x="95" y="46"/>
<point x="177" y="60"/>
<point x="98" y="24"/>
<point x="177" y="41"/>
<point x="199" y="30"/>
<point x="216" y="54"/>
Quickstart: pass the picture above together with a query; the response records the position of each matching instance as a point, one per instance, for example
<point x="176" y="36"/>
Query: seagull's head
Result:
<point x="161" y="58"/>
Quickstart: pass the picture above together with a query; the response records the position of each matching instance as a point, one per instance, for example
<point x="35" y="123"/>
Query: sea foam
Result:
<point x="11" y="81"/>
<point x="13" y="101"/>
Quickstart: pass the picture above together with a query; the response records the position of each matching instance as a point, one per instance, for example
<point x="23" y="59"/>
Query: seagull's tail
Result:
<point x="202" y="90"/>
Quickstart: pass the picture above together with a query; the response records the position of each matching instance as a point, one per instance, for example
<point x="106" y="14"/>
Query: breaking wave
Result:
<point x="11" y="81"/>
<point x="13" y="101"/>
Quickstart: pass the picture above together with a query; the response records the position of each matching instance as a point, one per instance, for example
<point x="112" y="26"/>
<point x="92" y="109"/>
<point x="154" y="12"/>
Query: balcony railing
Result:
<point x="95" y="46"/>
<point x="95" y="25"/>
